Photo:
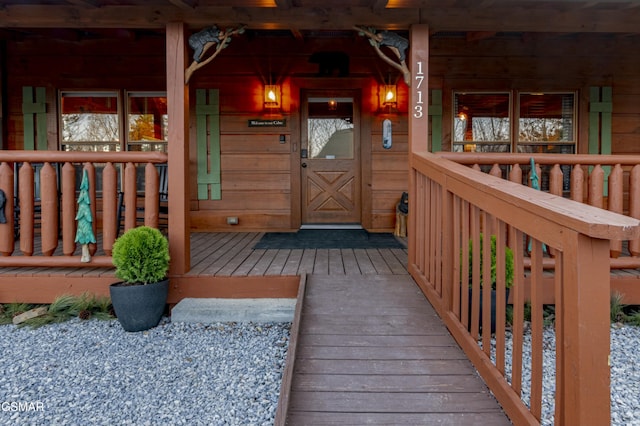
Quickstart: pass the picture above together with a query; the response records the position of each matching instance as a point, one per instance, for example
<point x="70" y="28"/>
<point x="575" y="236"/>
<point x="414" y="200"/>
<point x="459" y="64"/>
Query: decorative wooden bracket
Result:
<point x="397" y="44"/>
<point x="221" y="39"/>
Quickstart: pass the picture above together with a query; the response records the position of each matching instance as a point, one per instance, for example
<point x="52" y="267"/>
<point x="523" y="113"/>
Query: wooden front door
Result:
<point x="330" y="159"/>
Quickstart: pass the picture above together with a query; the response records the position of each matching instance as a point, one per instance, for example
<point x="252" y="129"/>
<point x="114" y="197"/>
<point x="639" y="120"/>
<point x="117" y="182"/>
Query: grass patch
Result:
<point x="62" y="309"/>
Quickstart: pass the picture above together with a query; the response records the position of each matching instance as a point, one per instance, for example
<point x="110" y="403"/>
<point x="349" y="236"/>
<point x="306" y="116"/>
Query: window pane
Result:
<point x="330" y="128"/>
<point x="481" y="122"/>
<point x="148" y="121"/>
<point x="90" y="118"/>
<point x="546" y="117"/>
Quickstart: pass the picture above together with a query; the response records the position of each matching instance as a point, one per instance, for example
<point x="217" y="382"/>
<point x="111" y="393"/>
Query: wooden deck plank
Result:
<point x="307" y="261"/>
<point x="364" y="262"/>
<point x="387" y="383"/>
<point x="371" y="349"/>
<point x="350" y="263"/>
<point x="293" y="262"/>
<point x="219" y="255"/>
<point x="450" y="419"/>
<point x="393" y="262"/>
<point x="205" y="245"/>
<point x="232" y="257"/>
<point x="336" y="265"/>
<point x="279" y="262"/>
<point x="394" y="402"/>
<point x="263" y="263"/>
<point x="322" y="262"/>
<point x="412" y="353"/>
<point x="250" y="260"/>
<point x="378" y="261"/>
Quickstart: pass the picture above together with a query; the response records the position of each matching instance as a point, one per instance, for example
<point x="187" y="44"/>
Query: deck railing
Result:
<point x="452" y="206"/>
<point x="610" y="182"/>
<point x="41" y="189"/>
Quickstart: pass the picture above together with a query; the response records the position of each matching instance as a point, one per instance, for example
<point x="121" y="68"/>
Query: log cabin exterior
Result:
<point x="237" y="161"/>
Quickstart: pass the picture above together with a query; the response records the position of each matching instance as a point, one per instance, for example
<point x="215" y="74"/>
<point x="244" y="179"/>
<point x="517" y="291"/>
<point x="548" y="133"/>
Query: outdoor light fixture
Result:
<point x="389" y="95"/>
<point x="272" y="96"/>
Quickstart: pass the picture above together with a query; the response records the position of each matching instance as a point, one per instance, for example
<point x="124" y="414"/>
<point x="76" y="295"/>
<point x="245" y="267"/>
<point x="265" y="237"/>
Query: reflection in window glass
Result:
<point x="330" y="128"/>
<point x="89" y="121"/>
<point x="481" y="122"/>
<point x="148" y="121"/>
<point x="546" y="117"/>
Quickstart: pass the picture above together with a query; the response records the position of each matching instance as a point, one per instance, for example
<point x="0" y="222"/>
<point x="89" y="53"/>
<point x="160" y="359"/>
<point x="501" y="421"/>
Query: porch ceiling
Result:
<point x="482" y="16"/>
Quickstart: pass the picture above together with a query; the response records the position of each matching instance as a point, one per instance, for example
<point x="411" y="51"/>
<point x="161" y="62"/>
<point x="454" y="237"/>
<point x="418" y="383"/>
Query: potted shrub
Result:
<point x="141" y="258"/>
<point x="508" y="257"/>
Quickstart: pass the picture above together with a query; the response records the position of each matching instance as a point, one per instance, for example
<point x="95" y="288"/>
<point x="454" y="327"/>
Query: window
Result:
<point x="545" y="122"/>
<point x="481" y="122"/>
<point x="89" y="121"/>
<point x="147" y="120"/>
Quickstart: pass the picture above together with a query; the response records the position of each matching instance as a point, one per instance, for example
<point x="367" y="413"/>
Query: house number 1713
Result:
<point x="417" y="107"/>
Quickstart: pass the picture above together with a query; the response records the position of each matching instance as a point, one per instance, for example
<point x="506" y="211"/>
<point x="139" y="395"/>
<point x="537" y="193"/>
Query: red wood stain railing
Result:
<point x="452" y="206"/>
<point x="48" y="212"/>
<point x="611" y="182"/>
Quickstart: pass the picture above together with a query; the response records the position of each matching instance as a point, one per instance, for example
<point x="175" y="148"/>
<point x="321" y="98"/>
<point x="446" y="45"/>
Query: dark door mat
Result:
<point x="327" y="238"/>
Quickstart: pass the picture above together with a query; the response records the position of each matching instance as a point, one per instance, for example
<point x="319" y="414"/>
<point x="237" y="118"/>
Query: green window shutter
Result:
<point x="600" y="108"/>
<point x="208" y="144"/>
<point x="34" y="112"/>
<point x="435" y="111"/>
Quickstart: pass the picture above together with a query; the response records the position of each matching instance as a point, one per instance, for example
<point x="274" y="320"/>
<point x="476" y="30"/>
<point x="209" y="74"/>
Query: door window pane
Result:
<point x="330" y="128"/>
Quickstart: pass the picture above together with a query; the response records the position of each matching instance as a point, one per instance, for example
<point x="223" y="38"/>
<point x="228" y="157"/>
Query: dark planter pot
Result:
<point x="493" y="309"/>
<point x="139" y="307"/>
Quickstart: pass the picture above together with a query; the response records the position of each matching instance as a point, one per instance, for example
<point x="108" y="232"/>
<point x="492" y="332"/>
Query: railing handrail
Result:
<point x="17" y="156"/>
<point x="539" y="208"/>
<point x="489" y="158"/>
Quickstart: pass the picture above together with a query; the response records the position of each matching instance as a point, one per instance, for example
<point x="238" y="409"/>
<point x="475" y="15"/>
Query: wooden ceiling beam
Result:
<point x="502" y="16"/>
<point x="183" y="4"/>
<point x="284" y="4"/>
<point x="84" y="3"/>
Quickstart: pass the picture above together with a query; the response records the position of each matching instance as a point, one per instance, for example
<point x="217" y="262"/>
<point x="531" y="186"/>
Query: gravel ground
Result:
<point x="93" y="372"/>
<point x="625" y="374"/>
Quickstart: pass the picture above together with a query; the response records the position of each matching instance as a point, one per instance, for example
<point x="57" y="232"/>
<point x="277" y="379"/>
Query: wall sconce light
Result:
<point x="390" y="97"/>
<point x="333" y="104"/>
<point x="272" y="96"/>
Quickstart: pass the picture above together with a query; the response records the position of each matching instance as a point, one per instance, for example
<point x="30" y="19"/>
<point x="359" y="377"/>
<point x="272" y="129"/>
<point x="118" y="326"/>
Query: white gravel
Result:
<point x="93" y="372"/>
<point x="625" y="374"/>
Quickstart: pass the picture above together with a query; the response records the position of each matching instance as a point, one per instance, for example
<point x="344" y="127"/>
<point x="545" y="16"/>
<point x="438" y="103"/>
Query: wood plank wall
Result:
<point x="545" y="62"/>
<point x="260" y="176"/>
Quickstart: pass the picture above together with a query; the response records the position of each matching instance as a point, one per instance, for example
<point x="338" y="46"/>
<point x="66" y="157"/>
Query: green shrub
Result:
<point x="141" y="256"/>
<point x="508" y="258"/>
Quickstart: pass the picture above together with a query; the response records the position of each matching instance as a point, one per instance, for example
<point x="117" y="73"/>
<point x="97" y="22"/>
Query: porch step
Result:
<point x="207" y="311"/>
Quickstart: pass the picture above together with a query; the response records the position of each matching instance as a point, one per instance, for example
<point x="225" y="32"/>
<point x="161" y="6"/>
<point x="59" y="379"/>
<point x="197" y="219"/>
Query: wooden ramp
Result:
<point x="371" y="350"/>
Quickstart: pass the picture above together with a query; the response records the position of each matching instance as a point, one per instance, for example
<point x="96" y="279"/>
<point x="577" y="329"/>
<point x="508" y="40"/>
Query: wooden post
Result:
<point x="418" y="122"/>
<point x="586" y="346"/>
<point x="178" y="163"/>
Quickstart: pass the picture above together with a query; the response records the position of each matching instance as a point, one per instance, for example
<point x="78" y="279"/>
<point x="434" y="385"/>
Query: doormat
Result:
<point x="327" y="238"/>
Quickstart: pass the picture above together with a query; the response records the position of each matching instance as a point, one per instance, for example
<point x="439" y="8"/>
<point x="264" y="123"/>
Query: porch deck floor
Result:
<point x="371" y="350"/>
<point x="232" y="254"/>
<point x="228" y="254"/>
